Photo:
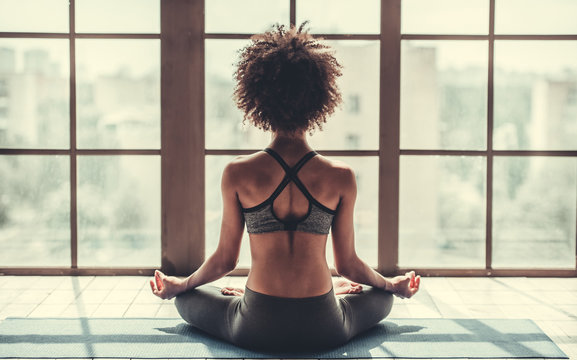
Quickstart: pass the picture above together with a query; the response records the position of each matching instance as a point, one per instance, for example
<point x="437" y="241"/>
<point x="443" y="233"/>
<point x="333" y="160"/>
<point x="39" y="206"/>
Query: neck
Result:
<point x="290" y="142"/>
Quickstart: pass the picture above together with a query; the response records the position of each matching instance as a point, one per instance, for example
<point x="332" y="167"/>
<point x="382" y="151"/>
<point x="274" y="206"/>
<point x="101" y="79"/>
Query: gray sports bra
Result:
<point x="262" y="219"/>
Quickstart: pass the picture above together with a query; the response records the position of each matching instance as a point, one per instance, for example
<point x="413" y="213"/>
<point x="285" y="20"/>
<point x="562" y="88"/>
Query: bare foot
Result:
<point x="232" y="291"/>
<point x="342" y="286"/>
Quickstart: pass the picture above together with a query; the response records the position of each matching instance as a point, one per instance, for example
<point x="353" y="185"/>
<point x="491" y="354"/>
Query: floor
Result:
<point x="551" y="303"/>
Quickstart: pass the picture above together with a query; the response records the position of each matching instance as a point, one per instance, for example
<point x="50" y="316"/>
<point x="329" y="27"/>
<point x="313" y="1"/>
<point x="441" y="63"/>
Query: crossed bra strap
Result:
<point x="291" y="174"/>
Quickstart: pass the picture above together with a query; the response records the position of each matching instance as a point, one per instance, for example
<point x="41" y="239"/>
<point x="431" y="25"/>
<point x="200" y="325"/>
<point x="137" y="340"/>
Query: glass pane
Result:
<point x="535" y="101"/>
<point x="34" y="211"/>
<point x="246" y="17"/>
<point x="214" y="166"/>
<point x="534" y="200"/>
<point x="442" y="212"/>
<point x="445" y="17"/>
<point x="224" y="128"/>
<point x="366" y="214"/>
<point x="34" y="16"/>
<point x="366" y="209"/>
<point x="355" y="125"/>
<point x="444" y="95"/>
<point x="535" y="17"/>
<point x="118" y="93"/>
<point x="34" y="93"/>
<point x="340" y="16"/>
<point x="119" y="211"/>
<point x="117" y="16"/>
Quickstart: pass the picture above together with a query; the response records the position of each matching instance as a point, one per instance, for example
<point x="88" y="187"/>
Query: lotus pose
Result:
<point x="289" y="197"/>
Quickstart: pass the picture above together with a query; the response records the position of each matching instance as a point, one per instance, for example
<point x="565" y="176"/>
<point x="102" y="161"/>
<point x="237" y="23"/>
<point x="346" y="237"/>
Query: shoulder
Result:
<point x="245" y="163"/>
<point x="242" y="167"/>
<point x="341" y="174"/>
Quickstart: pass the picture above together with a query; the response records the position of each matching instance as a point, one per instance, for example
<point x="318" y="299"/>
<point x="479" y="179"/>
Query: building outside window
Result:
<point x="460" y="121"/>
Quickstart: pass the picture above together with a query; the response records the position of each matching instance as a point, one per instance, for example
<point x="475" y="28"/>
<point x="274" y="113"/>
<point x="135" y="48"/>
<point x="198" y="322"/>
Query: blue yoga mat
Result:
<point x="173" y="338"/>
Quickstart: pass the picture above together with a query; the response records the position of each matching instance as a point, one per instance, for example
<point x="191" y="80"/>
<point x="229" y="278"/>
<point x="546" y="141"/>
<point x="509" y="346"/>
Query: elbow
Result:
<point x="348" y="268"/>
<point x="344" y="270"/>
<point x="229" y="265"/>
<point x="222" y="264"/>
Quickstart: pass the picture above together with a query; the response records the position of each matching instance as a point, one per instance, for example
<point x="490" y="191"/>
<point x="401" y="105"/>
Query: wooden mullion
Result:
<point x="235" y="152"/>
<point x="66" y="271"/>
<point x="489" y="178"/>
<point x="389" y="137"/>
<point x="182" y="109"/>
<point x="73" y="155"/>
<point x="34" y="151"/>
<point x="117" y="36"/>
<point x="231" y="36"/>
<point x="31" y="35"/>
<point x="442" y="37"/>
<point x="292" y="12"/>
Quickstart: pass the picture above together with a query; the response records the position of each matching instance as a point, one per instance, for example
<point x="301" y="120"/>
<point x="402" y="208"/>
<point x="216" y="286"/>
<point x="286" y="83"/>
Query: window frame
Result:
<point x="183" y="150"/>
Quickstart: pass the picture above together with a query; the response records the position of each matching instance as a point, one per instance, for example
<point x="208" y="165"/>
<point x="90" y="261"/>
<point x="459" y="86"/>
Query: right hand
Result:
<point x="405" y="286"/>
<point x="166" y="287"/>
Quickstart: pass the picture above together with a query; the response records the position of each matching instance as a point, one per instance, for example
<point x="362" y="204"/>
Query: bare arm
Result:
<point x="225" y="257"/>
<point x="347" y="263"/>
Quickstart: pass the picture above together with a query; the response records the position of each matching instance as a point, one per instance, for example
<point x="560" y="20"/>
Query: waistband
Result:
<point x="251" y="295"/>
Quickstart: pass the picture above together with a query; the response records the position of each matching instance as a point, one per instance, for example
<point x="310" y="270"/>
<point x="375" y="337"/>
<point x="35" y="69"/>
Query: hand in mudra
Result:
<point x="405" y="286"/>
<point x="166" y="287"/>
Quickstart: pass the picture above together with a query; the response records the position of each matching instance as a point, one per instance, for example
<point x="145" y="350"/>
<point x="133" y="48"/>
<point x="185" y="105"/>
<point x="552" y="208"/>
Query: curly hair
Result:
<point x="286" y="80"/>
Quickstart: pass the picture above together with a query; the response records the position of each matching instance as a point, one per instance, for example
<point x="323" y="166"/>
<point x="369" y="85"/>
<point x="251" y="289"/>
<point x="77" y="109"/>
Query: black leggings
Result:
<point x="262" y="322"/>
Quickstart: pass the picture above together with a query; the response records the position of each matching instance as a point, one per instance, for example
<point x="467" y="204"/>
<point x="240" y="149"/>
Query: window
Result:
<point x="460" y="121"/>
<point x="80" y="165"/>
<point x="345" y="134"/>
<point x="488" y="137"/>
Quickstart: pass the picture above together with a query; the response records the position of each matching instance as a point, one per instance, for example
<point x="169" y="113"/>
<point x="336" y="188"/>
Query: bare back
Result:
<point x="288" y="263"/>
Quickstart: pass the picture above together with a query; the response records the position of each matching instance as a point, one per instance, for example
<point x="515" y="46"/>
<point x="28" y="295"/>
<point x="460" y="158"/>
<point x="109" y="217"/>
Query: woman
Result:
<point x="289" y="197"/>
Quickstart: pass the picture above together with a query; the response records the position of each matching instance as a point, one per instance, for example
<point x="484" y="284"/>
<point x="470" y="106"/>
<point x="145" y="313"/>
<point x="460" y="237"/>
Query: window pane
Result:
<point x="214" y="166"/>
<point x="535" y="17"/>
<point x="34" y="16"/>
<point x="117" y="16"/>
<point x="34" y="211"/>
<point x="355" y="125"/>
<point x="246" y="17"/>
<point x="534" y="200"/>
<point x="340" y="16"/>
<point x="118" y="86"/>
<point x="442" y="212"/>
<point x="224" y="127"/>
<point x="366" y="209"/>
<point x="366" y="214"/>
<point x="119" y="211"/>
<point x="535" y="103"/>
<point x="34" y="93"/>
<point x="444" y="95"/>
<point x="445" y="17"/>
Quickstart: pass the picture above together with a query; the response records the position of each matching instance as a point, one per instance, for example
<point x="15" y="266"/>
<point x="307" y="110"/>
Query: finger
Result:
<point x="152" y="285"/>
<point x="227" y="291"/>
<point x="418" y="281"/>
<point x="157" y="293"/>
<point x="159" y="283"/>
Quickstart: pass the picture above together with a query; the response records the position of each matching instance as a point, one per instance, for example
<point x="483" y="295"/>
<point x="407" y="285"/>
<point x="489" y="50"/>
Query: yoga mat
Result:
<point x="173" y="338"/>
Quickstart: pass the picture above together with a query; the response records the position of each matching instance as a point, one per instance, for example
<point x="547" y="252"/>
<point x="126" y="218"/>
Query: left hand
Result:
<point x="166" y="287"/>
<point x="405" y="286"/>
